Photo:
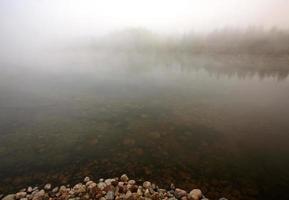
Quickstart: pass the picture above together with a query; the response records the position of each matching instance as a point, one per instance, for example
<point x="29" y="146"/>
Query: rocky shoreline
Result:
<point x="108" y="189"/>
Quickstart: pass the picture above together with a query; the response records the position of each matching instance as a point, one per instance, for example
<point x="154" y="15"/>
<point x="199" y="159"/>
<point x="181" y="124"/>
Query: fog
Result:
<point x="31" y="29"/>
<point x="173" y="91"/>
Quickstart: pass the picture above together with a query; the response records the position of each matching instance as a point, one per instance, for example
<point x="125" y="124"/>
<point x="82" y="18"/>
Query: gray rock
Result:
<point x="101" y="185"/>
<point x="9" y="197"/>
<point x="223" y="198"/>
<point x="86" y="179"/>
<point x="109" y="195"/>
<point x="47" y="186"/>
<point x="55" y="190"/>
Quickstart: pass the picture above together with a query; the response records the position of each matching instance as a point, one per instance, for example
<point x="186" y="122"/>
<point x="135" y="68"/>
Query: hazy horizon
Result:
<point x="42" y="20"/>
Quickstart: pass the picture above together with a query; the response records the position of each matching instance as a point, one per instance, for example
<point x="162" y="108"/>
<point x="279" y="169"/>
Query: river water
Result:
<point x="219" y="124"/>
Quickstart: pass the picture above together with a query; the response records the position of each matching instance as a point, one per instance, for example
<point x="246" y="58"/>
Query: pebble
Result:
<point x="9" y="197"/>
<point x="108" y="189"/>
<point x="55" y="190"/>
<point x="128" y="195"/>
<point x="109" y="195"/>
<point x="139" y="192"/>
<point x="124" y="178"/>
<point x="79" y="188"/>
<point x="101" y="185"/>
<point x="86" y="179"/>
<point x="47" y="186"/>
<point x="29" y="189"/>
<point x="39" y="195"/>
<point x="131" y="182"/>
<point x="20" y="195"/>
<point x="147" y="193"/>
<point x="108" y="181"/>
<point x="147" y="184"/>
<point x="180" y="193"/>
<point x="196" y="194"/>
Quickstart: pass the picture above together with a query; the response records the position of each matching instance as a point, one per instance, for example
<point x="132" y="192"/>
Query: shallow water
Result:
<point x="220" y="124"/>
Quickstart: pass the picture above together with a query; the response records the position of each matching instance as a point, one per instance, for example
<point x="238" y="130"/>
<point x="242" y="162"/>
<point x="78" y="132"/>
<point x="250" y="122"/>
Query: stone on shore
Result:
<point x="86" y="179"/>
<point x="109" y="189"/>
<point x="147" y="184"/>
<point x="9" y="197"/>
<point x="196" y="194"/>
<point x="20" y="195"/>
<point x="124" y="178"/>
<point x="47" y="186"/>
<point x="180" y="193"/>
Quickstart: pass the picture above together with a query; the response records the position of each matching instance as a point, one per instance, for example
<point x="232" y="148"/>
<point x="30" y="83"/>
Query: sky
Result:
<point x="64" y="17"/>
<point x="34" y="22"/>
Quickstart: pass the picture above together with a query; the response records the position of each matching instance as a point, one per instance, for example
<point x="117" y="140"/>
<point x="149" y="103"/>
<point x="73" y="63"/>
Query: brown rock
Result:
<point x="195" y="194"/>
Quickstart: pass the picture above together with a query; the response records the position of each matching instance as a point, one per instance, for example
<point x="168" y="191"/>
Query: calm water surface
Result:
<point x="222" y="128"/>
